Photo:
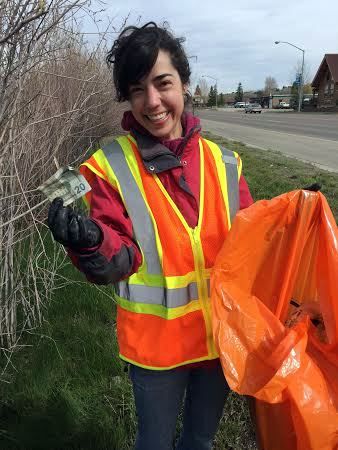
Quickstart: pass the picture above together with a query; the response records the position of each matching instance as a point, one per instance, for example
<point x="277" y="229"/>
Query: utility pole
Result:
<point x="301" y="82"/>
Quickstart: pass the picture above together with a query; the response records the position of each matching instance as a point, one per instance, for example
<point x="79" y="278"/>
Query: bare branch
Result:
<point x="21" y="25"/>
<point x="47" y="111"/>
<point x="72" y="78"/>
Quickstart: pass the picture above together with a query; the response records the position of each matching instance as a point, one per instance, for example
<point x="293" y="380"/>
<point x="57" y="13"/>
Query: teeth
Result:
<point x="156" y="117"/>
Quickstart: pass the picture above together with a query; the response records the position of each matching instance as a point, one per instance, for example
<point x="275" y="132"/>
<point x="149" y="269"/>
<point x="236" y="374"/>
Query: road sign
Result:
<point x="298" y="78"/>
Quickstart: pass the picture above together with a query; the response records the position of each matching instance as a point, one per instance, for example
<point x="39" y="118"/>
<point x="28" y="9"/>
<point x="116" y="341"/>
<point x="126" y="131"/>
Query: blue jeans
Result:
<point x="158" y="398"/>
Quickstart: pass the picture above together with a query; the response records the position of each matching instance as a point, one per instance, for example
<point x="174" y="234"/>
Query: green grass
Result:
<point x="66" y="387"/>
<point x="270" y="173"/>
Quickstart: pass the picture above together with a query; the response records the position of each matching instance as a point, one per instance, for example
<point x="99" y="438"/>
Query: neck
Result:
<point x="176" y="134"/>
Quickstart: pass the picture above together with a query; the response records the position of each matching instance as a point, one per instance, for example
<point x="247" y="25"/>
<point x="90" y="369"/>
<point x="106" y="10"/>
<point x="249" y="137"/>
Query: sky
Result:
<point x="235" y="41"/>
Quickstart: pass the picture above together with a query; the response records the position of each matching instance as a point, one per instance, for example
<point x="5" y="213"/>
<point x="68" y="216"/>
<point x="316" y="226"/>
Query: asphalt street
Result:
<point x="311" y="137"/>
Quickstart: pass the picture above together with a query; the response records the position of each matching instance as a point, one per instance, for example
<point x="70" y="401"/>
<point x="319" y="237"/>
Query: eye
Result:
<point x="135" y="89"/>
<point x="165" y="83"/>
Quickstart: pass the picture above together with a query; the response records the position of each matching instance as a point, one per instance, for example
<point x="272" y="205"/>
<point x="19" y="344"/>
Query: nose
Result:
<point x="153" y="97"/>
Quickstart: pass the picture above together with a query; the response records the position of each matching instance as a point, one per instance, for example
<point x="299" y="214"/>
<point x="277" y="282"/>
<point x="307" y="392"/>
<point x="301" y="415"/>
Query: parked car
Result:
<point x="253" y="108"/>
<point x="240" y="105"/>
<point x="284" y="105"/>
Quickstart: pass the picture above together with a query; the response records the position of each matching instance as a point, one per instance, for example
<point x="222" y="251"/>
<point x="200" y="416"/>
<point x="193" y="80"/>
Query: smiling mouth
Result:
<point x="156" y="118"/>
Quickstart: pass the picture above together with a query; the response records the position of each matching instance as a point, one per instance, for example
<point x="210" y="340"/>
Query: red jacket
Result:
<point x="176" y="163"/>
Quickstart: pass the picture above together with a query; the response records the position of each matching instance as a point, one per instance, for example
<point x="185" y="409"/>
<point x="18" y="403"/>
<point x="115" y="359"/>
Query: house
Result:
<point x="229" y="99"/>
<point x="198" y="100"/>
<point x="325" y="83"/>
<point x="274" y="100"/>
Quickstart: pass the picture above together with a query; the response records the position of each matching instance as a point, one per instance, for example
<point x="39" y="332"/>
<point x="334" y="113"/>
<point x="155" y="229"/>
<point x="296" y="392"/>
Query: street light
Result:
<point x="300" y="94"/>
<point x="215" y="79"/>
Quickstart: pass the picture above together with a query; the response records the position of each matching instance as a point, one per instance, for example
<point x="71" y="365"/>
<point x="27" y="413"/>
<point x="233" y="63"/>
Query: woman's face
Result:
<point x="157" y="101"/>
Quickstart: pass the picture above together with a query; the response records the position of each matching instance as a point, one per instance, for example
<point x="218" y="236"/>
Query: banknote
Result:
<point x="66" y="183"/>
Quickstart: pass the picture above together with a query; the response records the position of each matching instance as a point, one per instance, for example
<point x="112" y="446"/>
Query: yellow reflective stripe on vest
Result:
<point x="148" y="287"/>
<point x="153" y="295"/>
<point x="177" y="281"/>
<point x="195" y="238"/>
<point x="159" y="310"/>
<point x="137" y="208"/>
<point x="230" y="162"/>
<point x="228" y="173"/>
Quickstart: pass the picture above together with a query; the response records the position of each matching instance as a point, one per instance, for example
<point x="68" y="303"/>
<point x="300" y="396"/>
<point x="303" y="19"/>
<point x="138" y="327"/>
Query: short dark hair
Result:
<point x="135" y="51"/>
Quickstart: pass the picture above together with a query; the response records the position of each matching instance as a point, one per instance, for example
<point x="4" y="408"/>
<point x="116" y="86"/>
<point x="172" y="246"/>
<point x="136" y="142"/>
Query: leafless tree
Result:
<point x="56" y="102"/>
<point x="297" y="69"/>
<point x="270" y="85"/>
<point x="204" y="88"/>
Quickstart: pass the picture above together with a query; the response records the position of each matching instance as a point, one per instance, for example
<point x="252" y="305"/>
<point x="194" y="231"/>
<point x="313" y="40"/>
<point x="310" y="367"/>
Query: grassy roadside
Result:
<point x="69" y="390"/>
<point x="270" y="173"/>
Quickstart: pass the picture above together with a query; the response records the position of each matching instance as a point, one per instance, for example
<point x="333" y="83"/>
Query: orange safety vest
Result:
<point x="163" y="310"/>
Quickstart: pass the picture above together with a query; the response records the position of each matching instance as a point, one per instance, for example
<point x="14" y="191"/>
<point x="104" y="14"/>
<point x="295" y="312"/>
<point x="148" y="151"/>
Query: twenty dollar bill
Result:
<point x="66" y="183"/>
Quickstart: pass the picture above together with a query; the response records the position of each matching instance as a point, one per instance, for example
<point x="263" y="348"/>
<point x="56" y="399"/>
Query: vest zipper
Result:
<point x="203" y="290"/>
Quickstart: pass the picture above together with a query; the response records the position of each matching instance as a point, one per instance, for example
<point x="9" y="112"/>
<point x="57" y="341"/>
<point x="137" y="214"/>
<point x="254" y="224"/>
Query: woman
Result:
<point x="161" y="205"/>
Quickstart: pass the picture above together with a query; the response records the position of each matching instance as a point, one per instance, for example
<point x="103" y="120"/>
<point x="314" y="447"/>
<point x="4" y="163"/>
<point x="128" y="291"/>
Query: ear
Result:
<point x="185" y="88"/>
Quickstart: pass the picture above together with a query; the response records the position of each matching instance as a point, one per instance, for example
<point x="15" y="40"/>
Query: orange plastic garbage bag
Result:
<point x="280" y="251"/>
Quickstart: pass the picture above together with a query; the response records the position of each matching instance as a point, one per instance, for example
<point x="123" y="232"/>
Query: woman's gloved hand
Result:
<point x="315" y="187"/>
<point x="71" y="228"/>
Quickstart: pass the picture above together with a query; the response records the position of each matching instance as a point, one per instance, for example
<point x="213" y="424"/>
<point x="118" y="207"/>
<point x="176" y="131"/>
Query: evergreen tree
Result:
<point x="215" y="95"/>
<point x="221" y="100"/>
<point x="239" y="93"/>
<point x="212" y="97"/>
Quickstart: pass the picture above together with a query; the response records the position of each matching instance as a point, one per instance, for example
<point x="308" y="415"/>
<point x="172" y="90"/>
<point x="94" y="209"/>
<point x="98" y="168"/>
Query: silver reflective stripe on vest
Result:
<point x="230" y="162"/>
<point x="137" y="209"/>
<point x="170" y="298"/>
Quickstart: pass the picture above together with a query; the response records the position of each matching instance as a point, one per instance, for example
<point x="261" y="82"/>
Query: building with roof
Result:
<point x="275" y="101"/>
<point x="325" y="83"/>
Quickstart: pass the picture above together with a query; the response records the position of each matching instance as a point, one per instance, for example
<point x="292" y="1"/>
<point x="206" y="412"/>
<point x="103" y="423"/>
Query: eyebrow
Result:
<point x="160" y="77"/>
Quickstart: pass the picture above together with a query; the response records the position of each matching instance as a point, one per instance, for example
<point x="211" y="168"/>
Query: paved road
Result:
<point x="311" y="137"/>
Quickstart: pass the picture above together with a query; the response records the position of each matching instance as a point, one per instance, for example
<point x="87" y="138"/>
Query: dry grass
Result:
<point x="56" y="102"/>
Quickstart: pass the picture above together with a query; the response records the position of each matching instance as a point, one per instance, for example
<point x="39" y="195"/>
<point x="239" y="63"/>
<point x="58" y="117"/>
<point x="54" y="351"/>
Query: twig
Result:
<point x="24" y="213"/>
<point x="22" y="24"/>
<point x="71" y="78"/>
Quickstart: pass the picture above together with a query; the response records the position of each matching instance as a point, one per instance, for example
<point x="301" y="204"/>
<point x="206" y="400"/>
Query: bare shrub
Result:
<point x="56" y="102"/>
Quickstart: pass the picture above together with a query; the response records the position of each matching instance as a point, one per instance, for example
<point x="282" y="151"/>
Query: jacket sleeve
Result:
<point x="245" y="198"/>
<point x="118" y="255"/>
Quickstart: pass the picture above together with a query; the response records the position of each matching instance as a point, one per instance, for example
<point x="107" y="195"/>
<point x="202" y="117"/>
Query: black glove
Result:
<point x="315" y="187"/>
<point x="71" y="228"/>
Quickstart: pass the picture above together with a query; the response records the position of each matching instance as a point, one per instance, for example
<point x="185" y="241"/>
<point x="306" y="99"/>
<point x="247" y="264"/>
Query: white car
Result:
<point x="253" y="108"/>
<point x="283" y="105"/>
<point x="240" y="105"/>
